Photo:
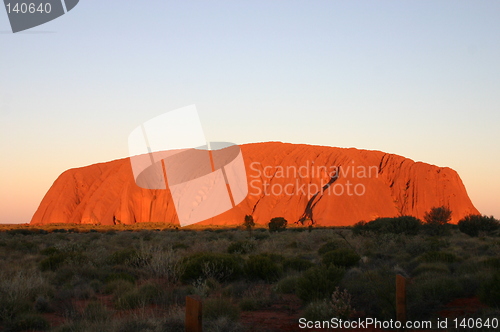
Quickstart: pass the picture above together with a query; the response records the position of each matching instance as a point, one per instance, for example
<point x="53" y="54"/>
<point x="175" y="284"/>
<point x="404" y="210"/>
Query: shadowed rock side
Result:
<point x="282" y="178"/>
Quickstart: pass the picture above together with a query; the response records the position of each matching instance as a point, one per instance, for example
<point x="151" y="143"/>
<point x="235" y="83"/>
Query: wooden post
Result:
<point x="193" y="314"/>
<point x="401" y="298"/>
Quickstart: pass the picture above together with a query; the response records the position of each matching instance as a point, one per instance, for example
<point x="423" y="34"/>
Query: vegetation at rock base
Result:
<point x="474" y="224"/>
<point x="130" y="280"/>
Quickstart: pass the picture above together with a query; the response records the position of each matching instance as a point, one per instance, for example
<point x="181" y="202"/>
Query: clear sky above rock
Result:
<point x="416" y="78"/>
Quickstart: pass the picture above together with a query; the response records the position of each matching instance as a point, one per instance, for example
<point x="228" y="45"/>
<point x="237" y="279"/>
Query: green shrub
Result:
<point x="240" y="247"/>
<point x="277" y="258"/>
<point x="434" y="289"/>
<point x="118" y="287"/>
<point x="49" y="251"/>
<point x="398" y="225"/>
<point x="408" y="225"/>
<point x="57" y="259"/>
<point x="297" y="264"/>
<point x="120" y="276"/>
<point x="180" y="245"/>
<point x="122" y="256"/>
<point x="329" y="246"/>
<point x="359" y="228"/>
<point x="319" y="310"/>
<point x="287" y="285"/>
<point x="151" y="292"/>
<point x="473" y="224"/>
<point x="262" y="267"/>
<point x="489" y="292"/>
<point x="277" y="224"/>
<point x="221" y="267"/>
<point x="438" y="268"/>
<point x="53" y="262"/>
<point x="341" y="257"/>
<point x="438" y="256"/>
<point x="131" y="299"/>
<point x="319" y="282"/>
<point x="19" y="231"/>
<point x="220" y="307"/>
<point x="146" y="294"/>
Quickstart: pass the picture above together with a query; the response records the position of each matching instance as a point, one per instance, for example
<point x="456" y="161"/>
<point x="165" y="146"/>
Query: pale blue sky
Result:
<point x="416" y="78"/>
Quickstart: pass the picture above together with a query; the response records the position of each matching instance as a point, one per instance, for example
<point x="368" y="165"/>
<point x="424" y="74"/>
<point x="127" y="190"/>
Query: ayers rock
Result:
<point x="281" y="179"/>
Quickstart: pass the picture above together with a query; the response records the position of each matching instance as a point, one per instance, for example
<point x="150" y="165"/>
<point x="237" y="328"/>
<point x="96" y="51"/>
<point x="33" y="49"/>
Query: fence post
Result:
<point x="193" y="314"/>
<point x="400" y="298"/>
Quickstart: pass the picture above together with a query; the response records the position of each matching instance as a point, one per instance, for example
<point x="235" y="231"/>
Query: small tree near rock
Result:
<point x="277" y="224"/>
<point x="249" y="223"/>
<point x="437" y="220"/>
<point x="438" y="215"/>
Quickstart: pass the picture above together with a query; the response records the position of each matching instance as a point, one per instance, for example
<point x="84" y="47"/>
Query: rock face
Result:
<point x="281" y="180"/>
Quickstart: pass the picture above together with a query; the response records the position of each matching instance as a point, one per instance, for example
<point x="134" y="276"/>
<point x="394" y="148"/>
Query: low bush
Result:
<point x="49" y="251"/>
<point x="221" y="267"/>
<point x="122" y="256"/>
<point x="120" y="276"/>
<point x="131" y="299"/>
<point x="179" y="245"/>
<point x="297" y="264"/>
<point x="319" y="282"/>
<point x="146" y="294"/>
<point x="20" y="231"/>
<point x="329" y="246"/>
<point x="434" y="290"/>
<point x="408" y="225"/>
<point x="438" y="256"/>
<point x="118" y="287"/>
<point x="287" y="285"/>
<point x="262" y="267"/>
<point x="277" y="258"/>
<point x="319" y="310"/>
<point x="438" y="268"/>
<point x="472" y="225"/>
<point x="57" y="259"/>
<point x="53" y="262"/>
<point x="341" y="257"/>
<point x="240" y="247"/>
